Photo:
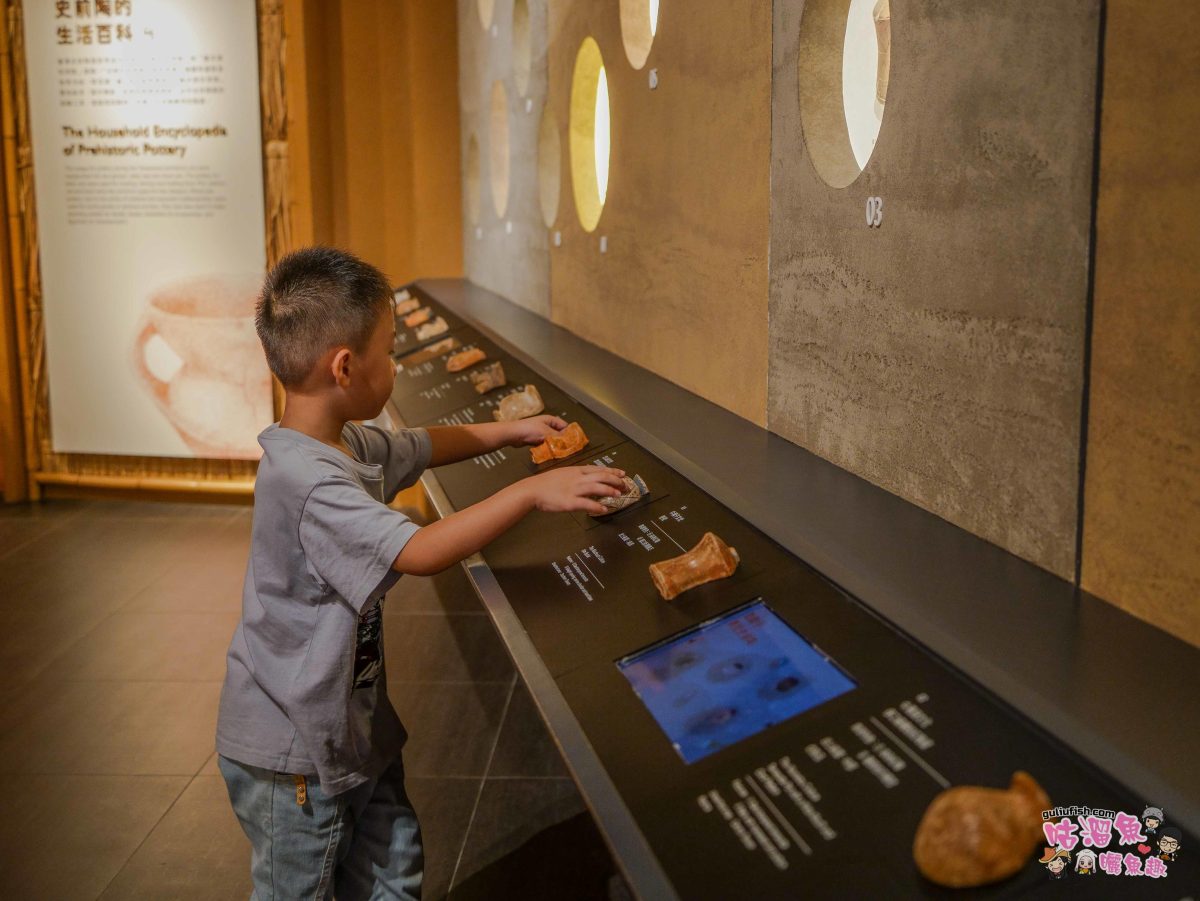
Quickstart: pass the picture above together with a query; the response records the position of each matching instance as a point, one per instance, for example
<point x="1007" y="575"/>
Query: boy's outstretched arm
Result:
<point x="447" y="541"/>
<point x="452" y="443"/>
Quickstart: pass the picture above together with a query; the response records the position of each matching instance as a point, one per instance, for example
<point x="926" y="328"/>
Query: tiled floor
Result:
<point x="114" y="621"/>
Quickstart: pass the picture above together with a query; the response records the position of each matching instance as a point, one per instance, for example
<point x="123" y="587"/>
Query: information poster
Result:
<point x="148" y="167"/>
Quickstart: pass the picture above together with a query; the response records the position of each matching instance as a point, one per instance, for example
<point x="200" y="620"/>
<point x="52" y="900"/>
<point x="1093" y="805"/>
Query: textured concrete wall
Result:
<point x="682" y="289"/>
<point x="508" y="253"/>
<point x="1142" y="504"/>
<point x="940" y="355"/>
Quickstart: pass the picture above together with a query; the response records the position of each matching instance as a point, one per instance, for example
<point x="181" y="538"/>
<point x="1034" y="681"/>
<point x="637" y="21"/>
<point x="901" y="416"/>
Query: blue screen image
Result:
<point x="730" y="678"/>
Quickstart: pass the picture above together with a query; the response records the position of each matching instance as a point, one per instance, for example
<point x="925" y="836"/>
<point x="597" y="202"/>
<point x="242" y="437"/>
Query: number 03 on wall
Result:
<point x="874" y="212"/>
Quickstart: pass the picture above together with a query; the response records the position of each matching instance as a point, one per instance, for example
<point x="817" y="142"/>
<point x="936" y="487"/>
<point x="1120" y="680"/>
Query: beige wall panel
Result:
<point x="1141" y="546"/>
<point x="508" y="253"/>
<point x="682" y="289"/>
<point x="940" y="355"/>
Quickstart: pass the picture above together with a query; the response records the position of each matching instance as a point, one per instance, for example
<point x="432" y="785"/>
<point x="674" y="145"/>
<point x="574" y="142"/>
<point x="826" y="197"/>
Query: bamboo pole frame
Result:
<point x="100" y="471"/>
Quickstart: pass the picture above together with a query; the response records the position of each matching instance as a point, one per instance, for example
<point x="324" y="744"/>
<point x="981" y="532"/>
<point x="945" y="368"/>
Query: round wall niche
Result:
<point x="590" y="139"/>
<point x="486" y="9"/>
<point x="549" y="167"/>
<point x="639" y="24"/>
<point x="498" y="148"/>
<point x="845" y="62"/>
<point x="522" y="47"/>
<point x="474" y="184"/>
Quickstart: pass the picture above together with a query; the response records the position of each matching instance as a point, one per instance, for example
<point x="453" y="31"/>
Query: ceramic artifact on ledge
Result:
<point x="972" y="836"/>
<point x="438" y="348"/>
<point x="406" y="306"/>
<point x="418" y="317"/>
<point x="464" y="359"/>
<point x="635" y="490"/>
<point x="709" y="560"/>
<point x="432" y="329"/>
<point x="570" y="440"/>
<point x="520" y="405"/>
<point x="488" y="378"/>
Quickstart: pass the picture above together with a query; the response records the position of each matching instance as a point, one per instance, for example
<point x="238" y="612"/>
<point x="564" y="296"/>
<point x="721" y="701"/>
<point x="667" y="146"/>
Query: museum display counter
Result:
<point x="841" y="659"/>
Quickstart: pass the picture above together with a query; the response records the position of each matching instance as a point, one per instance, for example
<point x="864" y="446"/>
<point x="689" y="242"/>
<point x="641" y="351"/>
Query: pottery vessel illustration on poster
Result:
<point x="198" y="357"/>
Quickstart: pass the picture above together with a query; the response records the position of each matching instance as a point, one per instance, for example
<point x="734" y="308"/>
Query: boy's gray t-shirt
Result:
<point x="305" y="689"/>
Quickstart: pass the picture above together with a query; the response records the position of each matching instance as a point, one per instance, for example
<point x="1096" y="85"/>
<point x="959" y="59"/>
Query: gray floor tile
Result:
<point x="17" y="532"/>
<point x="207" y="581"/>
<point x="525" y="748"/>
<point x="113" y="728"/>
<point x="447" y="592"/>
<point x="157" y="647"/>
<point x="31" y="639"/>
<point x="65" y="837"/>
<point x="52" y="509"/>
<point x="444" y="810"/>
<point x="198" y="852"/>
<point x="89" y="564"/>
<point x="432" y="648"/>
<point x="452" y="727"/>
<point x="109" y="510"/>
<point x="510" y="814"/>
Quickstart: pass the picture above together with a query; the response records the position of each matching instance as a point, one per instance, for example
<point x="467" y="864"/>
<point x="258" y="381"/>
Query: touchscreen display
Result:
<point x="730" y="678"/>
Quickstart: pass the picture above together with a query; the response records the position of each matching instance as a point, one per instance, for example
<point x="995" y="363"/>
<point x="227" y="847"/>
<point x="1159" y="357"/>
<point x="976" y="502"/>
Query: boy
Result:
<point x="308" y="742"/>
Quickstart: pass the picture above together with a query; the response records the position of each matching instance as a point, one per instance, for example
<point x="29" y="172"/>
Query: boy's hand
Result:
<point x="574" y="488"/>
<point x="534" y="430"/>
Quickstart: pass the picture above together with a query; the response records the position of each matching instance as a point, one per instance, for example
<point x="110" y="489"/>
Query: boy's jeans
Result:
<point x="361" y="844"/>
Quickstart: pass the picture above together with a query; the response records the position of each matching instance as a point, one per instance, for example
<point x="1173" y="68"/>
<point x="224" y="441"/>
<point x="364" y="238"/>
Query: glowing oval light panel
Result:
<point x="602" y="137"/>
<point x="589" y="134"/>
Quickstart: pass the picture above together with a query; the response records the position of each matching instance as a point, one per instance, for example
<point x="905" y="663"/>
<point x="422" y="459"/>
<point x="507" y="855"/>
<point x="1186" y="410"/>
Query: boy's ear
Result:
<point x="339" y="366"/>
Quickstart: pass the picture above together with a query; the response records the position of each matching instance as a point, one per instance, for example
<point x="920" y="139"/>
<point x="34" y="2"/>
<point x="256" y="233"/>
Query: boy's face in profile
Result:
<point x="375" y="375"/>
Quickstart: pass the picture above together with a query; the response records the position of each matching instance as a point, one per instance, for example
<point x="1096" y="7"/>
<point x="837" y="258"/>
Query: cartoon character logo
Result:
<point x="1085" y="863"/>
<point x="1169" y="839"/>
<point x="1152" y="818"/>
<point x="1055" y="860"/>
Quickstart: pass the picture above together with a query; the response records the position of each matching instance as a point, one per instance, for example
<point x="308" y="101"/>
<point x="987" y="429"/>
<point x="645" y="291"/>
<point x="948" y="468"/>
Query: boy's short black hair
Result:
<point x="315" y="299"/>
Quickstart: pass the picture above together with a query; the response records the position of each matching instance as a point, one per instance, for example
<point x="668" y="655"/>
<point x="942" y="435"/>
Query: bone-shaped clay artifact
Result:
<point x="520" y="404"/>
<point x="432" y="329"/>
<point x="709" y="560"/>
<point x="570" y="440"/>
<point x="488" y="378"/>
<point x="635" y="490"/>
<point x="972" y="836"/>
<point x="465" y="358"/>
<point x="420" y="317"/>
<point x="406" y="306"/>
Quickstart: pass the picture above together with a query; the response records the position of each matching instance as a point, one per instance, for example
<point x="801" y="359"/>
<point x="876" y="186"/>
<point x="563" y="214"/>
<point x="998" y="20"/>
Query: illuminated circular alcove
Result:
<point x="590" y="134"/>
<point x="486" y="9"/>
<point x="845" y="64"/>
<point x="522" y="46"/>
<point x="549" y="167"/>
<point x="639" y="24"/>
<point x="474" y="184"/>
<point x="498" y="148"/>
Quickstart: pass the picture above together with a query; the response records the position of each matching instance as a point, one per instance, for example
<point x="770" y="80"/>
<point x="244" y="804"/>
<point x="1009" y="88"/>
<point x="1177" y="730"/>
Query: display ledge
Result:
<point x="1113" y="688"/>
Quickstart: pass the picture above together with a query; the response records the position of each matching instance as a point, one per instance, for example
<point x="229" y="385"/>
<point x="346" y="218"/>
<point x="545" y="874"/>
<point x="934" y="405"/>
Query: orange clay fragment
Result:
<point x="488" y="378"/>
<point x="570" y="440"/>
<point x="420" y="317"/>
<point x="465" y="358"/>
<point x="709" y="560"/>
<point x="972" y="836"/>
